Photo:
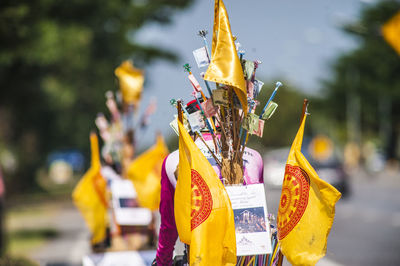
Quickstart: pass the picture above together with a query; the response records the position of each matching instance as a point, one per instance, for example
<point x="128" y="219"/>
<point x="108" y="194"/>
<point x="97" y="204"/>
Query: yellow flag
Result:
<point x="145" y="173"/>
<point x="203" y="211"/>
<point x="306" y="209"/>
<point x="225" y="65"/>
<point x="89" y="195"/>
<point x="391" y="32"/>
<point x="130" y="81"/>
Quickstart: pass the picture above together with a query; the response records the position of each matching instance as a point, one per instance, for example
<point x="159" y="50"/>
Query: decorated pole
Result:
<point x="202" y="34"/>
<point x="277" y="85"/>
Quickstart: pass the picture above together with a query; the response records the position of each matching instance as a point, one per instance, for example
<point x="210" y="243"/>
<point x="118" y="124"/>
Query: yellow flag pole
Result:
<point x="179" y="107"/>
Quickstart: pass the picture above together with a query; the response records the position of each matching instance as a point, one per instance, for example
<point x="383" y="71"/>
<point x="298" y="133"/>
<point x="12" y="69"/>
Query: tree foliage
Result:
<point x="369" y="74"/>
<point x="56" y="61"/>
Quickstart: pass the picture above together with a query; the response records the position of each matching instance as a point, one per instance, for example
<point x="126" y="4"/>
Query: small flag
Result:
<point x="131" y="82"/>
<point x="203" y="211"/>
<point x="145" y="173"/>
<point x="89" y="195"/>
<point x="306" y="209"/>
<point x="225" y="66"/>
<point x="391" y="32"/>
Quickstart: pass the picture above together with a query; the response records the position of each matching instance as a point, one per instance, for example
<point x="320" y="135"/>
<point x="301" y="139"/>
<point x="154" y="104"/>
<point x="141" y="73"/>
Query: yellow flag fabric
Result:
<point x="130" y="81"/>
<point x="203" y="211"/>
<point x="391" y="32"/>
<point x="89" y="195"/>
<point x="306" y="209"/>
<point x="145" y="173"/>
<point x="225" y="65"/>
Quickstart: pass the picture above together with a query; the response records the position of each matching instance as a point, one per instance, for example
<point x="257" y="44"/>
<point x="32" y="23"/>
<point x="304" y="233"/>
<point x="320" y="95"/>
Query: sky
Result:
<point x="295" y="40"/>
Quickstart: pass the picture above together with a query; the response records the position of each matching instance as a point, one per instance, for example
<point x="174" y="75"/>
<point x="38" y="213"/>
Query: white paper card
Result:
<point x="125" y="205"/>
<point x="196" y="121"/>
<point x="195" y="83"/>
<point x="120" y="258"/>
<point x="257" y="87"/>
<point x="201" y="57"/>
<point x="251" y="223"/>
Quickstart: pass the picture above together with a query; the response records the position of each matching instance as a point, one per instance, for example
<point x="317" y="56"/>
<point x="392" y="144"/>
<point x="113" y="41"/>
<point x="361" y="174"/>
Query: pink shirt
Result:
<point x="253" y="174"/>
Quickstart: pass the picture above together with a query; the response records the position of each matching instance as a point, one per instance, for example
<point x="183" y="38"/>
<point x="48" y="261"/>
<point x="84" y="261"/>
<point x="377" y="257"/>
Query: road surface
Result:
<point x="366" y="230"/>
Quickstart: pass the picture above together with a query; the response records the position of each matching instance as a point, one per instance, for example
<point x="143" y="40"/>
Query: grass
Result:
<point x="20" y="242"/>
<point x="16" y="261"/>
<point x="28" y="226"/>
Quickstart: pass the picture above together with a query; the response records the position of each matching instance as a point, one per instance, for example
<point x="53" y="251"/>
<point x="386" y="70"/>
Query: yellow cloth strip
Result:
<point x="252" y="260"/>
<point x="242" y="262"/>
<point x="274" y="254"/>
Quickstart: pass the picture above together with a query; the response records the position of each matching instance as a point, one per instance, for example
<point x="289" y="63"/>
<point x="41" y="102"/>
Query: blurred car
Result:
<point x="325" y="159"/>
<point x="322" y="156"/>
<point x="274" y="166"/>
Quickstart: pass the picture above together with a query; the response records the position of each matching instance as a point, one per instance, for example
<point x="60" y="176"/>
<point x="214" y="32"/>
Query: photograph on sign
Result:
<point x="251" y="223"/>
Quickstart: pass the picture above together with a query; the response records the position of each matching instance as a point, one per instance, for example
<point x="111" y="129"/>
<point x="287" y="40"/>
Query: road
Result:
<point x="72" y="243"/>
<point x="366" y="230"/>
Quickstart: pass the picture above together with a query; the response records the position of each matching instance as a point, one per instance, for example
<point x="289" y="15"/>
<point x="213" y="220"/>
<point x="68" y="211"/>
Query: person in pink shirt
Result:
<point x="253" y="174"/>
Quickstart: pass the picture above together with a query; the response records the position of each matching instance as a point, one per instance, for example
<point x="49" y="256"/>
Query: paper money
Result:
<point x="259" y="132"/>
<point x="251" y="123"/>
<point x="220" y="97"/>
<point x="250" y="89"/>
<point x="209" y="108"/>
<point x="196" y="121"/>
<point x="271" y="108"/>
<point x="174" y="124"/>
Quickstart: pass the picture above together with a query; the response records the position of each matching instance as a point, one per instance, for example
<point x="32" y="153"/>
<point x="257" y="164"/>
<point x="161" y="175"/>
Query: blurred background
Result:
<point x="57" y="60"/>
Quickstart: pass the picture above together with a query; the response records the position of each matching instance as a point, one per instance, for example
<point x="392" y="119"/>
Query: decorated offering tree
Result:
<point x="213" y="134"/>
<point x="123" y="184"/>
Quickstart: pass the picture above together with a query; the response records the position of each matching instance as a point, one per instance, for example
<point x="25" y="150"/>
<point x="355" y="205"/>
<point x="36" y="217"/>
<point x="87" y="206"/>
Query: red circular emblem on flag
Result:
<point x="294" y="199"/>
<point x="201" y="200"/>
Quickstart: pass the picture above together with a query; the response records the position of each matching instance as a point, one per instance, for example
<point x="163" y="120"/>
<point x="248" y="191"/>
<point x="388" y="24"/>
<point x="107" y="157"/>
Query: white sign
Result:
<point x="201" y="57"/>
<point x="125" y="205"/>
<point x="251" y="223"/>
<point x="120" y="258"/>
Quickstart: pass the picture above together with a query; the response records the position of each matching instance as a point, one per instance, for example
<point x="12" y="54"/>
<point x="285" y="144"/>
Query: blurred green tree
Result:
<point x="281" y="128"/>
<point x="56" y="61"/>
<point x="364" y="90"/>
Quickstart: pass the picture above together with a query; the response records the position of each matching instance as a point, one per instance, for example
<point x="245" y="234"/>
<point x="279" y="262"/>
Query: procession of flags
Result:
<point x="307" y="204"/>
<point x="92" y="194"/>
